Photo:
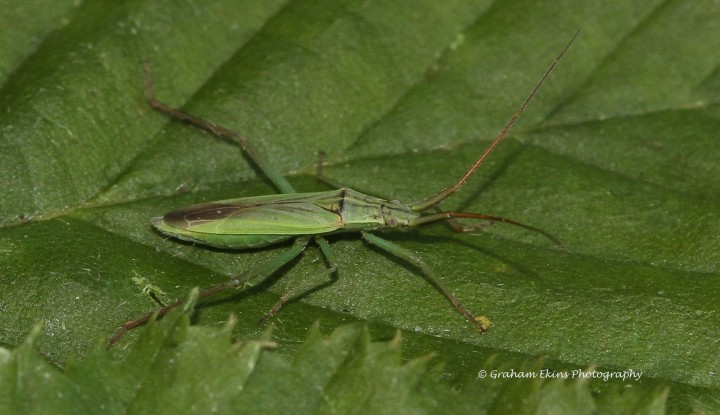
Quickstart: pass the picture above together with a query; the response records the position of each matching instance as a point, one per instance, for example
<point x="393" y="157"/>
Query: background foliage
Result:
<point x="617" y="157"/>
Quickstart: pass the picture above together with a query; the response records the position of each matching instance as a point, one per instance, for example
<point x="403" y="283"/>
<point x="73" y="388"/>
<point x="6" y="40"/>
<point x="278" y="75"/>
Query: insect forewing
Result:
<point x="293" y="214"/>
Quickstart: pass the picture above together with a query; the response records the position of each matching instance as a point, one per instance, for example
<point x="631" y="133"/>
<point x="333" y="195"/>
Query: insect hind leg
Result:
<point x="320" y="172"/>
<point x="260" y="161"/>
<point x="240" y="282"/>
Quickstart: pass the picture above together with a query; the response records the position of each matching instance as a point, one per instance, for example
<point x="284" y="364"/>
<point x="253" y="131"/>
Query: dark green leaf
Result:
<point x="616" y="156"/>
<point x="176" y="368"/>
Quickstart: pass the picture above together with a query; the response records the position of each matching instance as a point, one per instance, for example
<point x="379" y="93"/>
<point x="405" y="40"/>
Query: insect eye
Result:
<point x="392" y="222"/>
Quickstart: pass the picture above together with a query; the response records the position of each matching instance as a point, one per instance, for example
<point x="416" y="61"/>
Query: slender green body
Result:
<point x="254" y="222"/>
<point x="264" y="220"/>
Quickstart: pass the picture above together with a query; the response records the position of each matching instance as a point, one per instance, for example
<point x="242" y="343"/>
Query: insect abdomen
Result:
<point x="226" y="241"/>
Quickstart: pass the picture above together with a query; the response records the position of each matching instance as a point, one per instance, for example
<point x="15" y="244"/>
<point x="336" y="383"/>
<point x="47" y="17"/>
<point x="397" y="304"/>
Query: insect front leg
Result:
<point x="460" y="228"/>
<point x="410" y="257"/>
<point x="332" y="263"/>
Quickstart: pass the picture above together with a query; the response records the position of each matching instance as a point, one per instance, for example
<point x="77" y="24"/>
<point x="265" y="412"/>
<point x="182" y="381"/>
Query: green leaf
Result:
<point x="616" y="156"/>
<point x="176" y="368"/>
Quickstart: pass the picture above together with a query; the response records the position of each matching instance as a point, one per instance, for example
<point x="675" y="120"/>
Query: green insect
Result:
<point x="255" y="222"/>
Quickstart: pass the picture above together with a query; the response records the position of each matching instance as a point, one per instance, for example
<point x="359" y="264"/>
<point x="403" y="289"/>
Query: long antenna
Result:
<point x="445" y="193"/>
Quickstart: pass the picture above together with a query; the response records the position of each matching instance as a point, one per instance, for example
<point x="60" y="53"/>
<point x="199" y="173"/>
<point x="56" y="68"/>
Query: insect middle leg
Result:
<point x="418" y="262"/>
<point x="332" y="269"/>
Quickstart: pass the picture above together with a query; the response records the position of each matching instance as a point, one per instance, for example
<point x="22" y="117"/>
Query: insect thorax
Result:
<point x="360" y="211"/>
